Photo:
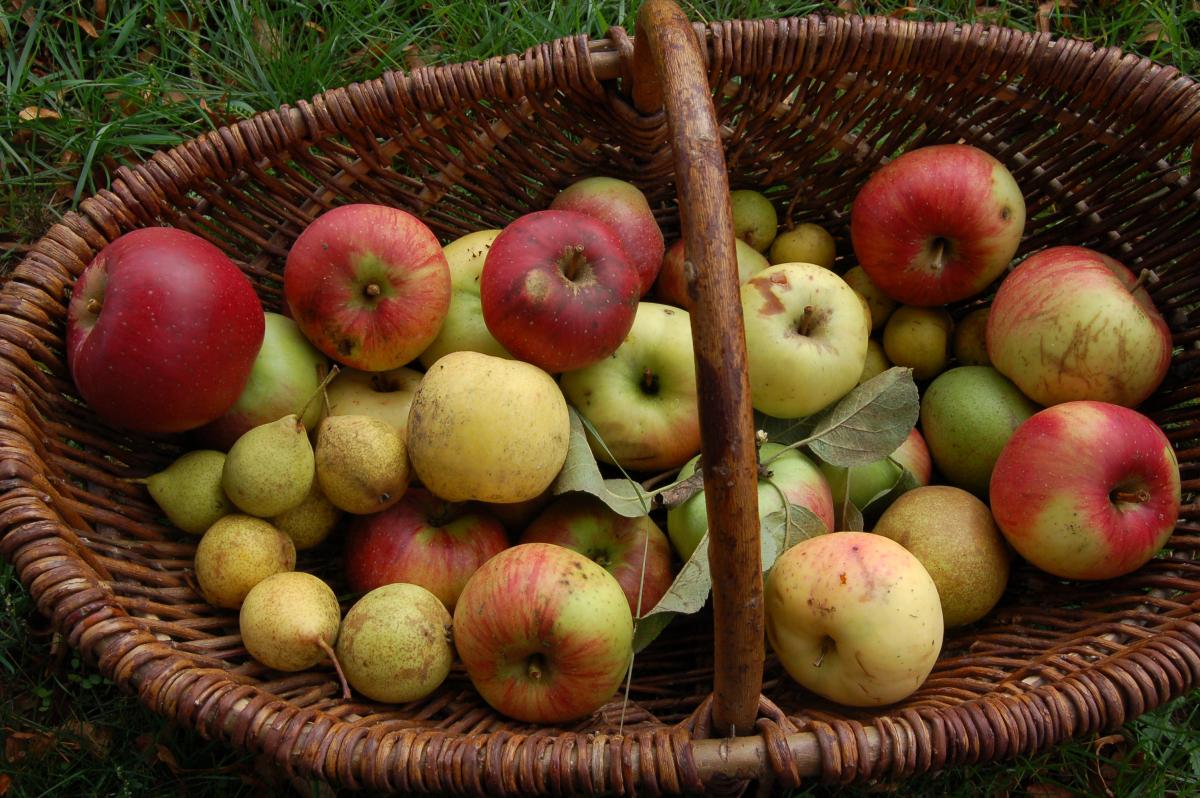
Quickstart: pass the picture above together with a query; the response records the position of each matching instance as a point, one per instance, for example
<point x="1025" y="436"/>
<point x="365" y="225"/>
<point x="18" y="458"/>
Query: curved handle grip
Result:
<point x="669" y="71"/>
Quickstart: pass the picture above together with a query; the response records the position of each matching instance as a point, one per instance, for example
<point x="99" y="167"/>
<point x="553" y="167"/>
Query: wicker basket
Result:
<point x="1101" y="144"/>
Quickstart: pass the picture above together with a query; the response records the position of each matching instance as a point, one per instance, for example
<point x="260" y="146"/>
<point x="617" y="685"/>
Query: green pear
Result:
<point x="394" y="643"/>
<point x="311" y="521"/>
<point x="970" y="339"/>
<point x="919" y="338"/>
<point x="361" y="463"/>
<point x="189" y="490"/>
<point x="804" y="243"/>
<point x="270" y="469"/>
<point x="235" y="554"/>
<point x="876" y="362"/>
<point x="289" y="621"/>
<point x="968" y="414"/>
<point x="754" y="218"/>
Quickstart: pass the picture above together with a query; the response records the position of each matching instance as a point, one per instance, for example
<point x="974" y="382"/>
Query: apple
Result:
<point x="463" y="327"/>
<point x="162" y="331"/>
<point x="1068" y="323"/>
<point x="368" y="285"/>
<point x="487" y="428"/>
<point x="970" y="339"/>
<point x="385" y="395"/>
<point x="967" y="414"/>
<point x="558" y="290"/>
<point x="919" y="338"/>
<point x="634" y="550"/>
<point x="876" y="362"/>
<point x="804" y="243"/>
<point x="1086" y="490"/>
<point x="286" y="374"/>
<point x="938" y="224"/>
<point x="953" y="535"/>
<point x="421" y="540"/>
<point x="792" y="473"/>
<point x="641" y="399"/>
<point x="875" y="485"/>
<point x="806" y="339"/>
<point x="879" y="304"/>
<point x="672" y="284"/>
<point x="623" y="207"/>
<point x="754" y="218"/>
<point x="545" y="634"/>
<point x="854" y="617"/>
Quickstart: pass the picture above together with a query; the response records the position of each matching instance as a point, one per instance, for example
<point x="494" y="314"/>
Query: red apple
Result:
<point x="558" y="290"/>
<point x="617" y="544"/>
<point x="623" y="207"/>
<point x="1086" y="490"/>
<point x="544" y="633"/>
<point x="368" y="285"/>
<point x="672" y="284"/>
<point x="421" y="540"/>
<point x="1068" y="324"/>
<point x="937" y="224"/>
<point x="162" y="331"/>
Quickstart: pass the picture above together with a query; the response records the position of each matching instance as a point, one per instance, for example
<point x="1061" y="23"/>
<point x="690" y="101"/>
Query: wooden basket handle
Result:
<point x="669" y="72"/>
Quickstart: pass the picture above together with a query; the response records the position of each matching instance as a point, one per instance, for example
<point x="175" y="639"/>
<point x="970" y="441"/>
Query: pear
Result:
<point x="238" y="552"/>
<point x="310" y="521"/>
<point x="394" y="644"/>
<point x="290" y="621"/>
<point x="189" y="490"/>
<point x="362" y="463"/>
<point x="270" y="468"/>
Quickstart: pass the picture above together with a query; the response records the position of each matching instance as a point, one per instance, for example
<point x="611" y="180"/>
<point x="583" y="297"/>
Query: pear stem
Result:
<point x="320" y="391"/>
<point x="337" y="666"/>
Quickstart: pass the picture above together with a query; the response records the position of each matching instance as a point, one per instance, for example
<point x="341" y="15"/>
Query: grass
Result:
<point x="87" y="86"/>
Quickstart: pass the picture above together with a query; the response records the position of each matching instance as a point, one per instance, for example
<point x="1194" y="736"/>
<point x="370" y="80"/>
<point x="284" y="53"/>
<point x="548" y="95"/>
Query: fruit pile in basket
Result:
<point x="513" y="419"/>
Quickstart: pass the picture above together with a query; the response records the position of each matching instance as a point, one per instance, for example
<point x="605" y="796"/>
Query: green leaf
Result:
<point x="905" y="482"/>
<point x="869" y="422"/>
<point x="784" y="528"/>
<point x="686" y="595"/>
<point x="850" y="516"/>
<point x="581" y="473"/>
<point x="648" y="628"/>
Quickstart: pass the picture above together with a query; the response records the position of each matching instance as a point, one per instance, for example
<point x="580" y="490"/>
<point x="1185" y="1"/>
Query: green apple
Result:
<point x="854" y="617"/>
<point x="285" y="375"/>
<point x="641" y="399"/>
<point x="791" y="472"/>
<point x="754" y="218"/>
<point x="876" y="485"/>
<point x="806" y="339"/>
<point x="804" y="243"/>
<point x="970" y="339"/>
<point x="954" y="536"/>
<point x="919" y="338"/>
<point x="385" y="395"/>
<point x="463" y="328"/>
<point x="968" y="414"/>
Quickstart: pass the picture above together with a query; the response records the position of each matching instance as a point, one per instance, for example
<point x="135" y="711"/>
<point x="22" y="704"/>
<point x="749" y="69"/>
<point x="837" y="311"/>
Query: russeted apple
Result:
<point x="1071" y="323"/>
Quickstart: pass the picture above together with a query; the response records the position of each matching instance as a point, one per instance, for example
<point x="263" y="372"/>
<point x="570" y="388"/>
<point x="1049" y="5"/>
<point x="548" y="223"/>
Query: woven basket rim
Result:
<point x="79" y="606"/>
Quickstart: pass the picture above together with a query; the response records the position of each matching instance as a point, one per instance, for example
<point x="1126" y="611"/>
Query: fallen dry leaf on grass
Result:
<point x="1051" y="10"/>
<point x="33" y="112"/>
<point x="87" y="27"/>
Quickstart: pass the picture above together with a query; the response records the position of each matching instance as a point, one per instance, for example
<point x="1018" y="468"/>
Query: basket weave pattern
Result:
<point x="1101" y="145"/>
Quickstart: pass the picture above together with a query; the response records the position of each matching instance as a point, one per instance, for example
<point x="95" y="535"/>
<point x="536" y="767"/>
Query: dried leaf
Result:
<point x="1053" y="9"/>
<point x="33" y="112"/>
<point x="20" y="746"/>
<point x="581" y="473"/>
<point x="267" y="37"/>
<point x="101" y="7"/>
<point x="903" y="11"/>
<point x="180" y="19"/>
<point x="97" y="739"/>
<point x="308" y="23"/>
<point x="677" y="494"/>
<point x="167" y="757"/>
<point x="1154" y="32"/>
<point x="869" y="422"/>
<point x="5" y="783"/>
<point x="412" y="58"/>
<point x="849" y="6"/>
<point x="87" y="27"/>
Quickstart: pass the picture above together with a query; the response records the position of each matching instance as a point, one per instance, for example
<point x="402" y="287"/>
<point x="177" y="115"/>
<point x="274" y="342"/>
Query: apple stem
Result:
<point x="534" y="668"/>
<point x="940" y="253"/>
<point x="320" y="391"/>
<point x="1131" y="496"/>
<point x="573" y="260"/>
<point x="826" y="645"/>
<point x="94" y="305"/>
<point x="337" y="666"/>
<point x="804" y="326"/>
<point x="372" y="290"/>
<point x="649" y="381"/>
